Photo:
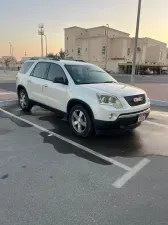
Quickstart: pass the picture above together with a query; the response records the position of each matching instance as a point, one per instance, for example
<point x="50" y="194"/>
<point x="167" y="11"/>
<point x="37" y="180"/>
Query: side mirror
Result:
<point x="59" y="80"/>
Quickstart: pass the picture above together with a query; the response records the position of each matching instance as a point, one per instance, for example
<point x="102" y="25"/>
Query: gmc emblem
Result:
<point x="139" y="99"/>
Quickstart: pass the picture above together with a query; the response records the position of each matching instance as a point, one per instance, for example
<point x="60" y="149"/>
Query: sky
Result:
<point x="19" y="21"/>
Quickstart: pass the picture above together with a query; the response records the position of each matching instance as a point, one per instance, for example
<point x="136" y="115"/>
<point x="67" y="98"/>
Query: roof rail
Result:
<point x="77" y="60"/>
<point x="45" y="58"/>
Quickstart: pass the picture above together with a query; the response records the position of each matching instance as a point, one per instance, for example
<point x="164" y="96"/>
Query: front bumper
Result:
<point x="125" y="121"/>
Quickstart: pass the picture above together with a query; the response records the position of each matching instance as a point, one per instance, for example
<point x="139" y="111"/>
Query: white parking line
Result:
<point x="128" y="175"/>
<point x="110" y="160"/>
<point x="156" y="124"/>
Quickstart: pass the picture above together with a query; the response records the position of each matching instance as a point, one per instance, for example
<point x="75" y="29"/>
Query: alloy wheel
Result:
<point x="23" y="99"/>
<point x="79" y="121"/>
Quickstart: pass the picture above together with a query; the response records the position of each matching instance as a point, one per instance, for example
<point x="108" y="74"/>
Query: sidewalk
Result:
<point x="7" y="76"/>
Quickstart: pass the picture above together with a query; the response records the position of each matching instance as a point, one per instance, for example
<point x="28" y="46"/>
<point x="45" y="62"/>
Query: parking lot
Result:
<point x="50" y="176"/>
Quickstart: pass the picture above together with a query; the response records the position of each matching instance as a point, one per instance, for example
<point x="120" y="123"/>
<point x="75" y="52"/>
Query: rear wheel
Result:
<point x="80" y="121"/>
<point x="24" y="101"/>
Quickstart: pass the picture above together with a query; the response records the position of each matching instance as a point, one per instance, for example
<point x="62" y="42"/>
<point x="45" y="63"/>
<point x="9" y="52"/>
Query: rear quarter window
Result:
<point x="26" y="66"/>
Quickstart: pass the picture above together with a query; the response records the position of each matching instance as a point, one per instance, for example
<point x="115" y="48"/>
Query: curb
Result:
<point x="159" y="103"/>
<point x="8" y="103"/>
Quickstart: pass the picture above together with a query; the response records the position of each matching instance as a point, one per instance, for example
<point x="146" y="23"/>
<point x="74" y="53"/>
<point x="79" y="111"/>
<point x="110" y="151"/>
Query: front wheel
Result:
<point x="24" y="101"/>
<point x="80" y="121"/>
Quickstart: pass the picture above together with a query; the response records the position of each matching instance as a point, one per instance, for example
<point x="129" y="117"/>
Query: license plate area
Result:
<point x="141" y="117"/>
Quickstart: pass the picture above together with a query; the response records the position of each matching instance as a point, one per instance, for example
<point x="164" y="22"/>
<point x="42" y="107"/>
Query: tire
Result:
<point x="24" y="101"/>
<point x="80" y="121"/>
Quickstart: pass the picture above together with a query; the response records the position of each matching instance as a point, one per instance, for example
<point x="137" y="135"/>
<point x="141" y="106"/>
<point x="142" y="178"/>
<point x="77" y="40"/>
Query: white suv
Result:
<point x="90" y="98"/>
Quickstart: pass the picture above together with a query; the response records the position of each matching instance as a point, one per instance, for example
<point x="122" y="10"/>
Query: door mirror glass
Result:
<point x="59" y="80"/>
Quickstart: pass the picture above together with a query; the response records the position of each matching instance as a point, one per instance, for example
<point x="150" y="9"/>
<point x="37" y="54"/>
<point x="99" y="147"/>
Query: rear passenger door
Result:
<point x="55" y="93"/>
<point x="37" y="81"/>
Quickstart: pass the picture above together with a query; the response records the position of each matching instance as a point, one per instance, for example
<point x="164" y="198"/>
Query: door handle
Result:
<point x="45" y="85"/>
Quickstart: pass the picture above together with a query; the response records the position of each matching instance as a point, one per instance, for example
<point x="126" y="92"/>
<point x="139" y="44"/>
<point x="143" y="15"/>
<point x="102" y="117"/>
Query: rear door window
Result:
<point x="26" y="66"/>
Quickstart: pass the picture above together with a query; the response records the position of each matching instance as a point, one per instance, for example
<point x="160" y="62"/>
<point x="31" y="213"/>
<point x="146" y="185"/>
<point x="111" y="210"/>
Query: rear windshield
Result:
<point x="26" y="66"/>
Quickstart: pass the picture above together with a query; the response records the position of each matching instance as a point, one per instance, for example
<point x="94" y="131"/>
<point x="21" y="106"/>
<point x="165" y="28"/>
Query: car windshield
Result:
<point x="89" y="74"/>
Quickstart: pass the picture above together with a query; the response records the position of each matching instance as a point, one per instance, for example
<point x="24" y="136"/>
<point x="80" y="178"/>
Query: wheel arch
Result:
<point x="19" y="88"/>
<point x="74" y="102"/>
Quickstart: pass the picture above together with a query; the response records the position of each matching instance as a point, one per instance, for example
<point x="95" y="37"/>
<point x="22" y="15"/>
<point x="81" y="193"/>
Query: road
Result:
<point x="160" y="79"/>
<point x="49" y="176"/>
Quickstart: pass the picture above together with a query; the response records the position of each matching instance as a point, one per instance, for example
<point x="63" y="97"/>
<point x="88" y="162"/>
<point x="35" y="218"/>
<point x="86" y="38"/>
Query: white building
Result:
<point x="90" y="45"/>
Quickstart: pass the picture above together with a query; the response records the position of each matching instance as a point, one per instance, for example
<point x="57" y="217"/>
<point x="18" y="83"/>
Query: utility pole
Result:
<point x="106" y="47"/>
<point x="46" y="44"/>
<point x="41" y="33"/>
<point x="136" y="42"/>
<point x="10" y="49"/>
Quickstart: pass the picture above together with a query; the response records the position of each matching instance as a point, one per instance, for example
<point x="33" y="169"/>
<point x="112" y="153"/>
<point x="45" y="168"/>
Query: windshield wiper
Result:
<point x="97" y="82"/>
<point x="106" y="82"/>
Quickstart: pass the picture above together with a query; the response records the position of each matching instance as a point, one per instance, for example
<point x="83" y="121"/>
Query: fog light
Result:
<point x="113" y="117"/>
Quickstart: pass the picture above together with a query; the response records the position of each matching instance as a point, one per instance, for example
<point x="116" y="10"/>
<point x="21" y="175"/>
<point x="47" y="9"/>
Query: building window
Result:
<point x="86" y="49"/>
<point x="128" y="51"/>
<point x="103" y="50"/>
<point x="67" y="38"/>
<point x="72" y="50"/>
<point x="79" y="51"/>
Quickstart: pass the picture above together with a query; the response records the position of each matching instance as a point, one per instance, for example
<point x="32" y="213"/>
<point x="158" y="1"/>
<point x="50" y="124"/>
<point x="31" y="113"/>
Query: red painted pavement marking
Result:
<point x="7" y="95"/>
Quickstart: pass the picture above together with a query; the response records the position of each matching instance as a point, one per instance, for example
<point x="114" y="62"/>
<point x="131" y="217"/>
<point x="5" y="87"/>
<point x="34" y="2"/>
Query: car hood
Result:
<point x="116" y="89"/>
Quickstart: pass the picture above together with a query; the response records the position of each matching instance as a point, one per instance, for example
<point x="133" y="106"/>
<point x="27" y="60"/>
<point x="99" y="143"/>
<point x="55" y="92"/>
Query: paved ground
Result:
<point x="49" y="176"/>
<point x="8" y="86"/>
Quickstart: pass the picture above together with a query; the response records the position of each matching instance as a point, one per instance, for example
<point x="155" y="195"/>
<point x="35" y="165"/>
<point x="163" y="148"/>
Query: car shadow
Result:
<point x="125" y="144"/>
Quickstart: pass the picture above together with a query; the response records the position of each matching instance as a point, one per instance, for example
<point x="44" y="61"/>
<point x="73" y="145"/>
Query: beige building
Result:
<point x="90" y="45"/>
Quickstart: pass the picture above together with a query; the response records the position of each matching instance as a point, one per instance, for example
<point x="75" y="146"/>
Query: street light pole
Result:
<point x="136" y="42"/>
<point x="106" y="47"/>
<point x="41" y="33"/>
<point x="46" y="43"/>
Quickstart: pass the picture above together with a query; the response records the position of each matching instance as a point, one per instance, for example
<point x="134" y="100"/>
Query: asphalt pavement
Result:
<point x="160" y="79"/>
<point x="49" y="176"/>
<point x="8" y="86"/>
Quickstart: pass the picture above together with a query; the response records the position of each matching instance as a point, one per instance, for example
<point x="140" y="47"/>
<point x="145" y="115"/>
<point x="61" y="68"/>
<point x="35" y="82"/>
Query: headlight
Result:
<point x="109" y="100"/>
